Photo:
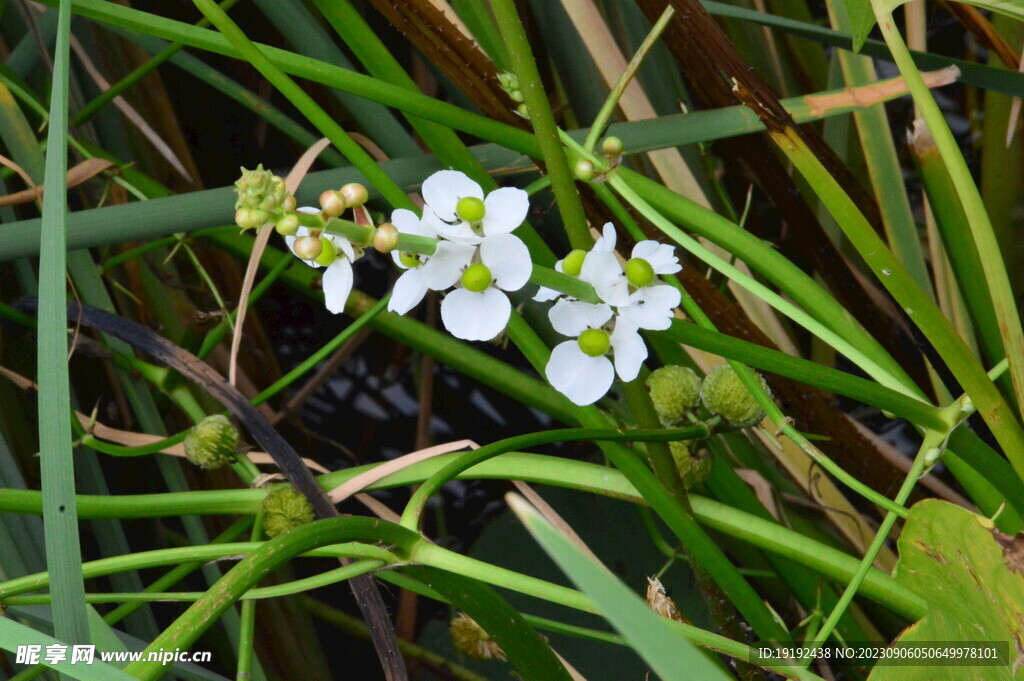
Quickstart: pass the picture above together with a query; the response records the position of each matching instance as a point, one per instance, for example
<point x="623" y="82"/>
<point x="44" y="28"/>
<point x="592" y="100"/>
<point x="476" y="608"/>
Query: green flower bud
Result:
<point x="308" y="247"/>
<point x="355" y="194"/>
<point x="328" y="253"/>
<point x="594" y="342"/>
<point x="288" y="225"/>
<point x="472" y="641"/>
<point x="612" y="145"/>
<point x="516" y="95"/>
<point x="693" y="463"/>
<point x="524" y="111"/>
<point x="332" y="203"/>
<point x="639" y="272"/>
<point x="285" y="508"/>
<point x="584" y="170"/>
<point x="470" y="209"/>
<point x="573" y="263"/>
<point x="476" y="277"/>
<point x="674" y="391"/>
<point x="723" y="393"/>
<point x="211" y="443"/>
<point x="385" y="239"/>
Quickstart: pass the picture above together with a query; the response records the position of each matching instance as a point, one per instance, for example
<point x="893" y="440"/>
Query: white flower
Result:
<point x="650" y="307"/>
<point x="409" y="288"/>
<point x="337" y="277"/>
<point x="478" y="309"/>
<point x="456" y="208"/>
<point x="580" y="368"/>
<point x="575" y="260"/>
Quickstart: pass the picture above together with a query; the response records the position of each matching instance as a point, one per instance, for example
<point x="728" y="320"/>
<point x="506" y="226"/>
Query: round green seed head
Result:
<point x="476" y="277"/>
<point x="573" y="263"/>
<point x="639" y="272"/>
<point x="584" y="170"/>
<point x="693" y="463"/>
<point x="723" y="393"/>
<point x="285" y="508"/>
<point x="328" y="254"/>
<point x="674" y="391"/>
<point x="212" y="442"/>
<point x="594" y="342"/>
<point x="470" y="209"/>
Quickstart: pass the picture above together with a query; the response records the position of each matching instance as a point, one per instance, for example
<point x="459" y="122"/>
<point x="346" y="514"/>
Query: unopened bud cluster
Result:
<point x="261" y="195"/>
<point x="284" y="509"/>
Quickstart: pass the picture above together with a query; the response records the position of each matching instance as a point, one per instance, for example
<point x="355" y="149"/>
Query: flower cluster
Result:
<point x="477" y="259"/>
<point x="631" y="298"/>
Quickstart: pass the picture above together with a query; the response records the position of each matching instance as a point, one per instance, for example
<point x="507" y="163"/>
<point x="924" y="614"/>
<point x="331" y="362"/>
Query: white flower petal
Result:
<point x="408" y="291"/>
<point x="345" y="245"/>
<point x="581" y="378"/>
<point x="459" y="232"/>
<point x="508" y="259"/>
<point x="661" y="257"/>
<point x="651" y="307"/>
<point x="607" y="241"/>
<point x="475" y="316"/>
<point x="544" y="294"/>
<point x="602" y="270"/>
<point x="337" y="284"/>
<point x="405" y="221"/>
<point x="442" y="191"/>
<point x="506" y="208"/>
<point x="628" y="350"/>
<point x="444" y="268"/>
<point x="573" y="317"/>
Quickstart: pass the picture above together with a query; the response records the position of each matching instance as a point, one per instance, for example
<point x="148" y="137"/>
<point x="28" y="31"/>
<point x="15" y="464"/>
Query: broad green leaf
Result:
<point x="973" y="579"/>
<point x="672" y="657"/>
<point x="862" y="20"/>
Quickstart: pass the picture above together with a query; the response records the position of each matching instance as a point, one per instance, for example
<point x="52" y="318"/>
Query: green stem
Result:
<point x="626" y="78"/>
<point x="543" y="121"/>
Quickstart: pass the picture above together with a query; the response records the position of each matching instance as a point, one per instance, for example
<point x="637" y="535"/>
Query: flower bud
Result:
<point x="693" y="463"/>
<point x="308" y="247"/>
<point x="385" y="238"/>
<point x="723" y="393"/>
<point x="288" y="225"/>
<point x="332" y="203"/>
<point x="261" y="193"/>
<point x="524" y="111"/>
<point x="355" y="194"/>
<point x="674" y="391"/>
<point x="284" y="509"/>
<point x="612" y="145"/>
<point x="573" y="263"/>
<point x="584" y="170"/>
<point x="289" y="204"/>
<point x="211" y="443"/>
<point x="472" y="641"/>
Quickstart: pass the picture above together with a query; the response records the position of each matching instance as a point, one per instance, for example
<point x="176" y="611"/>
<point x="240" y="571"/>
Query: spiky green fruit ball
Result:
<point x="285" y="508"/>
<point x="723" y="393"/>
<point x="674" y="391"/>
<point x="212" y="442"/>
<point x="694" y="463"/>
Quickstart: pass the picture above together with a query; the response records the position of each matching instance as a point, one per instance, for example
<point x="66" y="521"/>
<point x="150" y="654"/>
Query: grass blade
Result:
<point x="60" y="517"/>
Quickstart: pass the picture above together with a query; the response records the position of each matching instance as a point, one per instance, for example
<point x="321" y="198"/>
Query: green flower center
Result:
<point x="639" y="272"/>
<point x="327" y="252"/>
<point x="470" y="209"/>
<point x="409" y="259"/>
<point x="594" y="342"/>
<point x="573" y="263"/>
<point x="476" y="278"/>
